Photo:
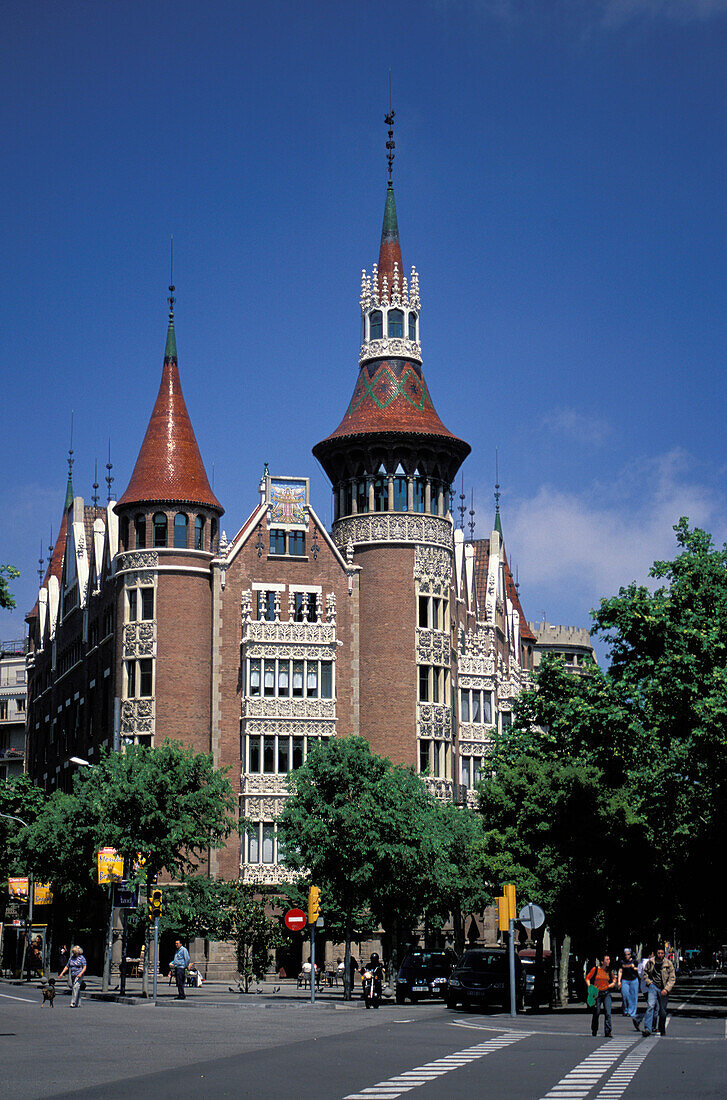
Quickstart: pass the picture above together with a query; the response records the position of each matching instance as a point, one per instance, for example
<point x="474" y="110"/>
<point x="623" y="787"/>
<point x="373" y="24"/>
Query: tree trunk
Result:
<point x="563" y="974"/>
<point x="347" y="963"/>
<point x="458" y="930"/>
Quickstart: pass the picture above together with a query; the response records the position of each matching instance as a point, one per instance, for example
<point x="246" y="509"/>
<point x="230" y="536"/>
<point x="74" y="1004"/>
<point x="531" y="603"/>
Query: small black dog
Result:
<point x="49" y="992"/>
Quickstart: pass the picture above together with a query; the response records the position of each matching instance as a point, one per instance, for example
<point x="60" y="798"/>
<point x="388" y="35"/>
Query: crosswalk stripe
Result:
<point x="403" y="1082"/>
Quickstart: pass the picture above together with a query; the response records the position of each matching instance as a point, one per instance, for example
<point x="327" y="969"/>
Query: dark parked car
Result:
<point x="538" y="983"/>
<point x="482" y="977"/>
<point x="423" y="974"/>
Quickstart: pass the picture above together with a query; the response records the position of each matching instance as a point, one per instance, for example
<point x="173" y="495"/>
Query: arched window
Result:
<point x="412" y="326"/>
<point x="401" y="502"/>
<point x="419" y="494"/>
<point x="213" y="536"/>
<point x="181" y="522"/>
<point x="160" y="529"/>
<point x="362" y="495"/>
<point x="395" y="323"/>
<point x="199" y="533"/>
<point x="381" y="494"/>
<point x="376" y="325"/>
<point x="140" y="529"/>
<point x="124" y="532"/>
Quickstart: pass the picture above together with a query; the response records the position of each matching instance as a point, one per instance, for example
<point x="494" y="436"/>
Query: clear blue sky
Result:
<point x="560" y="180"/>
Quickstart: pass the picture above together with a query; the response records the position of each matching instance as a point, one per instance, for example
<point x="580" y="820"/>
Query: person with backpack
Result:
<point x="601" y="979"/>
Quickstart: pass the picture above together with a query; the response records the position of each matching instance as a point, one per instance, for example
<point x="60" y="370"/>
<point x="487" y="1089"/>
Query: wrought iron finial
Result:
<point x="50" y="545"/>
<point x="41" y="565"/>
<point x="462" y="506"/>
<point x="471" y="523"/>
<point x="497" y="483"/>
<point x="390" y="144"/>
<point x="517" y="579"/>
<point x="70" y="459"/>
<point x="94" y="496"/>
<point x="109" y="478"/>
<point x="171" y="299"/>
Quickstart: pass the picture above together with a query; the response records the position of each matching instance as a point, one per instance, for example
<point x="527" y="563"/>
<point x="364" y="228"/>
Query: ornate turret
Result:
<point x="391" y="452"/>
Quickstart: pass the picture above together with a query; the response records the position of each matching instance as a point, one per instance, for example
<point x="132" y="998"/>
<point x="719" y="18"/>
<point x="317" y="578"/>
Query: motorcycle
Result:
<point x="371" y="987"/>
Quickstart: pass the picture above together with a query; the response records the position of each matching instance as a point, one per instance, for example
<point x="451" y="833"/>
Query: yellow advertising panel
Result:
<point x="18" y="888"/>
<point x="42" y="893"/>
<point x="110" y="866"/>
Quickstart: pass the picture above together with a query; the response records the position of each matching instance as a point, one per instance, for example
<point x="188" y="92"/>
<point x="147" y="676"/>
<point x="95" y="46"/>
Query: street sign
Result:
<point x="295" y="920"/>
<point x="125" y="896"/>
<point x="531" y="916"/>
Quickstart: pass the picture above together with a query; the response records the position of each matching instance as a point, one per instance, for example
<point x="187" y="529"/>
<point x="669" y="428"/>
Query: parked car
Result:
<point x="543" y="994"/>
<point x="423" y="974"/>
<point x="482" y="977"/>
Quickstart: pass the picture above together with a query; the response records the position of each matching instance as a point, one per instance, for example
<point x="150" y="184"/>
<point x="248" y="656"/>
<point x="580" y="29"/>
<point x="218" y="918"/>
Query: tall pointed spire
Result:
<point x="70" y="460"/>
<point x="170" y="351"/>
<point x="169" y="468"/>
<point x="498" y="522"/>
<point x="390" y="249"/>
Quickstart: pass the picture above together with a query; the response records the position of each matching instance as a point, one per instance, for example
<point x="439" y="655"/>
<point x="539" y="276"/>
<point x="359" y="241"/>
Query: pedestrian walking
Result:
<point x="603" y="979"/>
<point x="659" y="976"/>
<point x="628" y="983"/>
<point x="179" y="965"/>
<point x="76" y="967"/>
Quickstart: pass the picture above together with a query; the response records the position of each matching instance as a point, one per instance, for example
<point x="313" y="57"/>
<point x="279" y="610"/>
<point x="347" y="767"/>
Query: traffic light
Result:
<point x="509" y="892"/>
<point x="502" y="913"/>
<point x="314" y="904"/>
<point x="155" y="905"/>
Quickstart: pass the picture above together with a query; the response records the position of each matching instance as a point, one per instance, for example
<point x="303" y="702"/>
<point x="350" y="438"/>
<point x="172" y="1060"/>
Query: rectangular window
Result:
<point x="487" y="708"/>
<point x="476" y="769"/>
<point x="269" y="755"/>
<point x="423" y="683"/>
<point x="436" y="685"/>
<point x="3" y="709"/>
<point x="283" y="754"/>
<point x="20" y="706"/>
<point x="131" y="679"/>
<point x="296" y="543"/>
<point x="362" y="495"/>
<point x="147" y="603"/>
<point x="424" y="756"/>
<point x="298" y="752"/>
<point x="131" y="596"/>
<point x="506" y="720"/>
<point x="266" y="606"/>
<point x="283" y="677"/>
<point x="400" y="494"/>
<point x="326" y="679"/>
<point x="269" y="678"/>
<point x="465" y="771"/>
<point x="145" y="678"/>
<point x="464" y="706"/>
<point x="277" y="541"/>
<point x="297" y="679"/>
<point x="268" y="843"/>
<point x="255" y="754"/>
<point x="476" y="708"/>
<point x="424" y="611"/>
<point x="312" y="680"/>
<point x="255" y="676"/>
<point x="253" y="845"/>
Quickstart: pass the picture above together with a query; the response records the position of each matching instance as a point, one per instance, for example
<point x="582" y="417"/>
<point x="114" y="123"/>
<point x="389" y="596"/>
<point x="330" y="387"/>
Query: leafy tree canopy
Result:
<point x="7" y="572"/>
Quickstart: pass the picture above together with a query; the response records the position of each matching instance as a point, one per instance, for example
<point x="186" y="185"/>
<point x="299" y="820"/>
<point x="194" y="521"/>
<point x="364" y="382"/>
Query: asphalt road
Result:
<point x="226" y="1046"/>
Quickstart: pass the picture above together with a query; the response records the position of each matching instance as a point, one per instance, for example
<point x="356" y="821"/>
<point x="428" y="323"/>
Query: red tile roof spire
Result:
<point x="169" y="468"/>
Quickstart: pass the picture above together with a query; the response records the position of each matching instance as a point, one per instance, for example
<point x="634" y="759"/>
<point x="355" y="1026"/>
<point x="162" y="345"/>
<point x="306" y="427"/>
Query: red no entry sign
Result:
<point x="295" y="919"/>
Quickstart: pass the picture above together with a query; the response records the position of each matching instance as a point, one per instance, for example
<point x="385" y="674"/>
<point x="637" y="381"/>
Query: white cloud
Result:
<point x="572" y="548"/>
<point x="576" y="426"/>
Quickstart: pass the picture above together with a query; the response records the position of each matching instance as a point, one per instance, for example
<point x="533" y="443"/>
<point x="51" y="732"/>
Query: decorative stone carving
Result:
<point x="263" y="784"/>
<point x="262" y="809"/>
<point x="288" y="708"/>
<point x="144" y="577"/>
<point x="432" y="647"/>
<point x="139" y="639"/>
<point x="266" y="874"/>
<point x="395" y="348"/>
<point x="442" y="789"/>
<point x="139" y="559"/>
<point x="289" y="728"/>
<point x="433" y="564"/>
<point x="475" y="748"/>
<point x="411" y="527"/>
<point x="260" y="630"/>
<point x="434" y="720"/>
<point x="312" y="652"/>
<point x="137" y="717"/>
<point x="471" y="731"/>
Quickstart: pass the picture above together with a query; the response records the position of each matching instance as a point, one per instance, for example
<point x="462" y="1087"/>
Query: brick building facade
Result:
<point x="150" y="623"/>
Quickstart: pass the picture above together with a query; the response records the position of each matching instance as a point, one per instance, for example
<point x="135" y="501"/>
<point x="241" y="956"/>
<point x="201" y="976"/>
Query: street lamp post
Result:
<point x="31" y="892"/>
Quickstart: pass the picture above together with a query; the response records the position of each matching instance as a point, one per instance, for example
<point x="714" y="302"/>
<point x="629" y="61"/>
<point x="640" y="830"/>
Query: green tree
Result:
<point x="7" y="572"/>
<point x="254" y="932"/>
<point x="353" y="824"/>
<point x="167" y="803"/>
<point x="20" y="798"/>
<point x="459" y="885"/>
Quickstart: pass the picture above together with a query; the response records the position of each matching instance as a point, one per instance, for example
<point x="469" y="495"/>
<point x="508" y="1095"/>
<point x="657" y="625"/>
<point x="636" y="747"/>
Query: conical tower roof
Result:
<point x="391" y="399"/>
<point x="169" y="468"/>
